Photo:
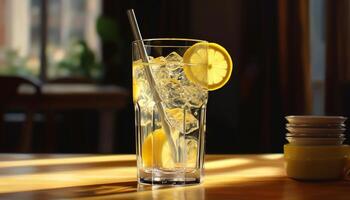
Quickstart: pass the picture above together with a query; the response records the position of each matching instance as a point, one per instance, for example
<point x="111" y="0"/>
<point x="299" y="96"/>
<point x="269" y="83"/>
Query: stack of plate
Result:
<point x="315" y="130"/>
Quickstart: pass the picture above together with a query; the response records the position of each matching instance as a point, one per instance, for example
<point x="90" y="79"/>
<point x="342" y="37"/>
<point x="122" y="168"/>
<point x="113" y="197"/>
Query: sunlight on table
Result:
<point x="41" y="173"/>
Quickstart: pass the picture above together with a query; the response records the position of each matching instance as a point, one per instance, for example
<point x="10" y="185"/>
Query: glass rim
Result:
<point x="168" y="39"/>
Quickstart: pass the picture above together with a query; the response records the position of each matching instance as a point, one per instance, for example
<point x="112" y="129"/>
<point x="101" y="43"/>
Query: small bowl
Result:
<point x="316" y="130"/>
<point x="302" y="135"/>
<point x="313" y="119"/>
<point x="315" y="141"/>
<point x="316" y="162"/>
<point x="336" y="126"/>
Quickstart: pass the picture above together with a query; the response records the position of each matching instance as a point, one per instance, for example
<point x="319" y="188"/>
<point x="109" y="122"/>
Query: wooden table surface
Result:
<point x="29" y="176"/>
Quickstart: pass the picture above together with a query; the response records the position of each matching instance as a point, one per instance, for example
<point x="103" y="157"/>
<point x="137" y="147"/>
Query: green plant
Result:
<point x="81" y="61"/>
<point x="14" y="64"/>
<point x="109" y="31"/>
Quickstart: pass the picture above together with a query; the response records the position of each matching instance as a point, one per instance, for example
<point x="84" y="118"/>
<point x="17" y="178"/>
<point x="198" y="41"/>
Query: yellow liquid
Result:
<point x="315" y="162"/>
<point x="184" y="103"/>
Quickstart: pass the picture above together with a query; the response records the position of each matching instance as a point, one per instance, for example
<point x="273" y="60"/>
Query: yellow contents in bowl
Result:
<point x="315" y="162"/>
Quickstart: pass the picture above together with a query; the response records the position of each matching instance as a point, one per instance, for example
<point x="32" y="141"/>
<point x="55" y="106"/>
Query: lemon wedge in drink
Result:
<point x="135" y="91"/>
<point x="152" y="148"/>
<point x="208" y="64"/>
<point x="156" y="151"/>
<point x="136" y="65"/>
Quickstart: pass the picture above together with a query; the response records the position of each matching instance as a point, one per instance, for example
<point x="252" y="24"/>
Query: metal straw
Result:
<point x="156" y="97"/>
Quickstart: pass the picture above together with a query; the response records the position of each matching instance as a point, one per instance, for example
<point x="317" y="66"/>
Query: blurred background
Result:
<point x="65" y="69"/>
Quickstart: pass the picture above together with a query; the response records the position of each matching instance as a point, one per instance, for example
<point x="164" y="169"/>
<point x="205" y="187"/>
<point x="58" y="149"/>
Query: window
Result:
<point x="318" y="54"/>
<point x="19" y="41"/>
<point x="72" y="44"/>
<point x="72" y="38"/>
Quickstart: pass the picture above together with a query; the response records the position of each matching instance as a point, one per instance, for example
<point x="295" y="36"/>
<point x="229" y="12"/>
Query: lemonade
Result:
<point x="183" y="72"/>
<point x="184" y="103"/>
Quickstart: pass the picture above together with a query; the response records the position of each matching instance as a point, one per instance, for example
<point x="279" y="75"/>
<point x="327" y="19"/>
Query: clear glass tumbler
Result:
<point x="169" y="133"/>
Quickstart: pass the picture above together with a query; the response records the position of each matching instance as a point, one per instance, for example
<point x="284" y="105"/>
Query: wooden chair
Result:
<point x="50" y="115"/>
<point x="70" y="80"/>
<point x="11" y="100"/>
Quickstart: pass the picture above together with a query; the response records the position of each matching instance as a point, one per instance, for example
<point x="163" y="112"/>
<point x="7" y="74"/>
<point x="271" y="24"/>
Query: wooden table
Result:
<point x="25" y="176"/>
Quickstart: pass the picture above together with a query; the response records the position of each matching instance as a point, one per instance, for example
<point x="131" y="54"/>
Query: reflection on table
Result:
<point x="25" y="176"/>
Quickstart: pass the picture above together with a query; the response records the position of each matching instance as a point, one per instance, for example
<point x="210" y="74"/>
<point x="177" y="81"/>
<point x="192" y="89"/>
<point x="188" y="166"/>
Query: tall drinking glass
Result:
<point x="169" y="145"/>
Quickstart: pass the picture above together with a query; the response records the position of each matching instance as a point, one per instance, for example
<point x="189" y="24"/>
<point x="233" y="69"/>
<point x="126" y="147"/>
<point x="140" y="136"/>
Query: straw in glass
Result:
<point x="156" y="97"/>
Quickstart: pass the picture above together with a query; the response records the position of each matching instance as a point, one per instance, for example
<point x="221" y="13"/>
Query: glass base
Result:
<point x="164" y="181"/>
<point x="167" y="177"/>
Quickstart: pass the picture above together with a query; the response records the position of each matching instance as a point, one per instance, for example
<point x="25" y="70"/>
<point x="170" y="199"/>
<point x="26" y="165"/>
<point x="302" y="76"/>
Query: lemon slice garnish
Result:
<point x="208" y="64"/>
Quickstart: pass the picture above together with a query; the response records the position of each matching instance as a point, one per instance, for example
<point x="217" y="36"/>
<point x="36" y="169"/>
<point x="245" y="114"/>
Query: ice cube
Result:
<point x="191" y="148"/>
<point x="144" y="97"/>
<point x="158" y="69"/>
<point x="160" y="73"/>
<point x="182" y="120"/>
<point x="167" y="158"/>
<point x="188" y="147"/>
<point x="174" y="61"/>
<point x="174" y="57"/>
<point x="170" y="91"/>
<point x="138" y="72"/>
<point x="176" y="73"/>
<point x="196" y="95"/>
<point x="159" y="60"/>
